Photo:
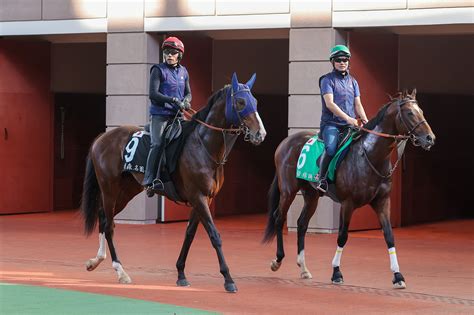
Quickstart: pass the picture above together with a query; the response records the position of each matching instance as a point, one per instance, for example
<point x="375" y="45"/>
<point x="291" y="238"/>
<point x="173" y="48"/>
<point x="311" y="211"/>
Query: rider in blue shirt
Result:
<point x="169" y="92"/>
<point x="341" y="105"/>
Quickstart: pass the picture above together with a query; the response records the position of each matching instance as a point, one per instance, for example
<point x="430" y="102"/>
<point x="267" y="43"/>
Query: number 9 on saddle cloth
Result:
<point x="135" y="153"/>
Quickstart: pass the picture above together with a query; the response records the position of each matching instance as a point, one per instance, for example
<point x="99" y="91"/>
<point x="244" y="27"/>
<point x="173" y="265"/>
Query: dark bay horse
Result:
<point x="363" y="177"/>
<point x="197" y="179"/>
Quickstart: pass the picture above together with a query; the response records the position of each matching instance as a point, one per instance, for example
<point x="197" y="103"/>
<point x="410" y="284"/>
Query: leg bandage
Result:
<point x="393" y="260"/>
<point x="336" y="261"/>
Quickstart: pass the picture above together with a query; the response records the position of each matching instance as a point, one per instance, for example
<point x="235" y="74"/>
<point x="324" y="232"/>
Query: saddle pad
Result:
<point x="135" y="152"/>
<point x="307" y="166"/>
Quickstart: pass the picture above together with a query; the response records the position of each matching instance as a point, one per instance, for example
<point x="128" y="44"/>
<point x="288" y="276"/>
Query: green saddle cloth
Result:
<point x="307" y="167"/>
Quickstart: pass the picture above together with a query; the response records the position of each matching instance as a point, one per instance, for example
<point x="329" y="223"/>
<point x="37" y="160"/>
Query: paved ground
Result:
<point x="437" y="261"/>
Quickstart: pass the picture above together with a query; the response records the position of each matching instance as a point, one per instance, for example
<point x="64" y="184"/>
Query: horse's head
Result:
<point x="412" y="122"/>
<point x="241" y="110"/>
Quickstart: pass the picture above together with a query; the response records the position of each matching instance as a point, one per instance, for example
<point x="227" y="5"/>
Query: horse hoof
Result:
<point x="182" y="283"/>
<point x="91" y="264"/>
<point x="275" y="265"/>
<point x="306" y="275"/>
<point x="338" y="281"/>
<point x="125" y="279"/>
<point x="230" y="287"/>
<point x="399" y="285"/>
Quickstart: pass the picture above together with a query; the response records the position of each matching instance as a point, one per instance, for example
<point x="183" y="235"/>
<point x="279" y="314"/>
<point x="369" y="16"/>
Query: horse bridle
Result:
<point x="243" y="129"/>
<point x="410" y="134"/>
<point x="402" y="138"/>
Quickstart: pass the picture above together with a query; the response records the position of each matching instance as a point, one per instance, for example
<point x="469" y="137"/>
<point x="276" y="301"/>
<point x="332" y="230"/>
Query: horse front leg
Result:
<point x="188" y="239"/>
<point x="93" y="263"/>
<point x="344" y="221"/>
<point x="311" y="198"/>
<point x="382" y="208"/>
<point x="202" y="208"/>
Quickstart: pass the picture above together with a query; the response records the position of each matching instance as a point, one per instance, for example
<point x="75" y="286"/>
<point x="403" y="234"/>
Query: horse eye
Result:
<point x="240" y="104"/>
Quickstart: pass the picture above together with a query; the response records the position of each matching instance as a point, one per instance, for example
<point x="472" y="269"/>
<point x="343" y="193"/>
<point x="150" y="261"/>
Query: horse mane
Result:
<point x="203" y="112"/>
<point x="378" y="118"/>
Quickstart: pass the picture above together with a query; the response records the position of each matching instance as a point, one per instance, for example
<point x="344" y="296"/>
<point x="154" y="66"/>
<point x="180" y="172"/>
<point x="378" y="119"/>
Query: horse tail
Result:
<point x="90" y="198"/>
<point x="273" y="205"/>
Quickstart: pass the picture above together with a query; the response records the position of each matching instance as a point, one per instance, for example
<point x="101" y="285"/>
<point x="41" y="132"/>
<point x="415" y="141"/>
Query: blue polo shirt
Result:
<point x="344" y="89"/>
<point x="172" y="84"/>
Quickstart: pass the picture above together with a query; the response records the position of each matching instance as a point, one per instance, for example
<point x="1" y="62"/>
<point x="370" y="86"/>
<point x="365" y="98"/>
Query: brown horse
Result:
<point x="198" y="177"/>
<point x="363" y="177"/>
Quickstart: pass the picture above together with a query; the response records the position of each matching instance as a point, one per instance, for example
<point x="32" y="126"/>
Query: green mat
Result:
<point x="307" y="167"/>
<point x="25" y="299"/>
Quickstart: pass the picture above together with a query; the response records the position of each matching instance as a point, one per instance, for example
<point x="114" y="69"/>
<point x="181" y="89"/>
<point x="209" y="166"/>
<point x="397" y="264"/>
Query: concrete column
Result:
<point x="311" y="38"/>
<point x="130" y="54"/>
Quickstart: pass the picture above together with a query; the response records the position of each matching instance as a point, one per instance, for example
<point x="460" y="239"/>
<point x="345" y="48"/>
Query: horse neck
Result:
<point x="379" y="148"/>
<point x="217" y="143"/>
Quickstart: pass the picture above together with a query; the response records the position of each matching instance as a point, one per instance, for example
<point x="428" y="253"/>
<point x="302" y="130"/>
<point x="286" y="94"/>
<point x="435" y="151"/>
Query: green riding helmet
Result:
<point x="339" y="51"/>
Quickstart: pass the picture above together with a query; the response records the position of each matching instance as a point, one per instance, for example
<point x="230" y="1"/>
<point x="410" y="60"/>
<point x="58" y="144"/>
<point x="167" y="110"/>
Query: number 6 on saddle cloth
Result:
<point x="136" y="151"/>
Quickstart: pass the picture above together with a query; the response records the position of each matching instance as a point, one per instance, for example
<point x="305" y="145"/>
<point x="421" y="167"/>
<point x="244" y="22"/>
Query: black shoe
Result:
<point x="157" y="185"/>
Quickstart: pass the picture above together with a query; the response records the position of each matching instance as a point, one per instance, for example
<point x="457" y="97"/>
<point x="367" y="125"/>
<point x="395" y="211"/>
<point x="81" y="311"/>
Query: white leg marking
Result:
<point x="336" y="261"/>
<point x="92" y="263"/>
<point x="122" y="275"/>
<point x="300" y="261"/>
<point x="393" y="260"/>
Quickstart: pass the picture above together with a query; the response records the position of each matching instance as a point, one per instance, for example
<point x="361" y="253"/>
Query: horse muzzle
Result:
<point x="426" y="142"/>
<point x="257" y="138"/>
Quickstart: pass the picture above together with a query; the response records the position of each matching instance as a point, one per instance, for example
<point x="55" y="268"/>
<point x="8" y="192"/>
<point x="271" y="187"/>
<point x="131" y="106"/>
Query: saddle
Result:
<point x="135" y="153"/>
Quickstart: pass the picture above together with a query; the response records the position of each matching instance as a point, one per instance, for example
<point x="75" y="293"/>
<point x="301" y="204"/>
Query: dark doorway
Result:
<point x="437" y="184"/>
<point x="79" y="118"/>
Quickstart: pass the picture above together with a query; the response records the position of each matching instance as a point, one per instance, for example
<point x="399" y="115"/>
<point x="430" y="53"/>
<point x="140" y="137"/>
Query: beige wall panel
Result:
<point x="294" y="130"/>
<point x="157" y="8"/>
<point x="354" y="5"/>
<point x="310" y="44"/>
<point x="140" y="210"/>
<point x="74" y="9"/>
<point x="20" y="10"/>
<point x="132" y="48"/>
<point x="304" y="111"/>
<point x="78" y="68"/>
<point x="126" y="110"/>
<point x="125" y="16"/>
<point x="311" y="13"/>
<point x="235" y="7"/>
<point x="304" y="76"/>
<point x="418" y="4"/>
<point x="127" y="79"/>
<point x="325" y="220"/>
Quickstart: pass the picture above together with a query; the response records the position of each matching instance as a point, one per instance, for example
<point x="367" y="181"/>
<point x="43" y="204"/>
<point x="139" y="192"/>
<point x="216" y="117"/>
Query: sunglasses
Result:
<point x="170" y="51"/>
<point x="341" y="60"/>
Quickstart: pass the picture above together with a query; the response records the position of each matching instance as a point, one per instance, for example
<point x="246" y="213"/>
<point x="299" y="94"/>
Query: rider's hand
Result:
<point x="353" y="122"/>
<point x="187" y="105"/>
<point x="175" y="101"/>
<point x="181" y="105"/>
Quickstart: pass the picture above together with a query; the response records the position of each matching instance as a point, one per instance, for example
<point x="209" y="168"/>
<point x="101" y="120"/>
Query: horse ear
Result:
<point x="235" y="82"/>
<point x="405" y="93"/>
<point x="413" y="93"/>
<point x="251" y="81"/>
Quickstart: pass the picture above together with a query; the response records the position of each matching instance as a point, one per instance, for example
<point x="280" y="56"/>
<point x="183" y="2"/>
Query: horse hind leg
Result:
<point x="112" y="206"/>
<point x="93" y="263"/>
<point x="311" y="198"/>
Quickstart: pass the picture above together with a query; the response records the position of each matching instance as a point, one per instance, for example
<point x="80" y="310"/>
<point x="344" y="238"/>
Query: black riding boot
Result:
<point x="151" y="180"/>
<point x="323" y="170"/>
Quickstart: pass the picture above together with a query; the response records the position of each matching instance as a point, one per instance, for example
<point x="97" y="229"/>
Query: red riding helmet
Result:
<point x="174" y="43"/>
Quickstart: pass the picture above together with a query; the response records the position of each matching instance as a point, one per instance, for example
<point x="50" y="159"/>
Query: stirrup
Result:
<point x="322" y="185"/>
<point x="158" y="185"/>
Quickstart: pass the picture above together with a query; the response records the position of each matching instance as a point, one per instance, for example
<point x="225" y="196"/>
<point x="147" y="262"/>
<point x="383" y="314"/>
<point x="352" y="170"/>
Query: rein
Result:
<point x="191" y="113"/>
